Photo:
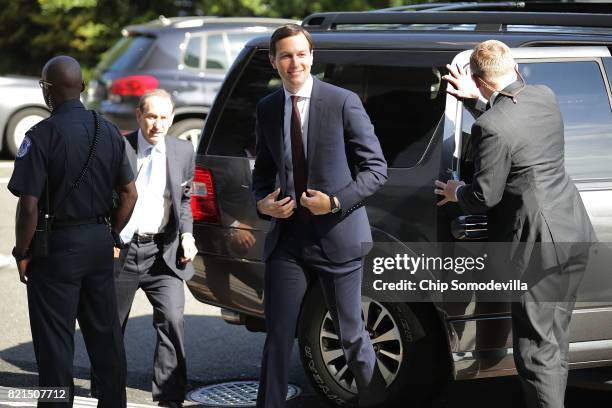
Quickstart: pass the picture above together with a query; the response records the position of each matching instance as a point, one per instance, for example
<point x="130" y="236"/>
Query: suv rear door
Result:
<point x="579" y="76"/>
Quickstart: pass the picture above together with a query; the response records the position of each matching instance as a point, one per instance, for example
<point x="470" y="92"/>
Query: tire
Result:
<point x="19" y="124"/>
<point x="188" y="129"/>
<point x="413" y="357"/>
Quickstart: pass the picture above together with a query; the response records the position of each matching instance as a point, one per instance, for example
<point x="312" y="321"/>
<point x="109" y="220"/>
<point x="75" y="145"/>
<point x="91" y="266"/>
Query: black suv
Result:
<point x="394" y="61"/>
<point x="187" y="56"/>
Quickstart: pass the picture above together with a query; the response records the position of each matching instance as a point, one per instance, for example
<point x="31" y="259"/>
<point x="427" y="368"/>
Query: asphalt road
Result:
<point x="216" y="351"/>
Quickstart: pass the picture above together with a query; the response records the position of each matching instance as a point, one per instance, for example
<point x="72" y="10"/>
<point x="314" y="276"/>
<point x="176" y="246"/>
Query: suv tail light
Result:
<point x="134" y="85"/>
<point x="203" y="198"/>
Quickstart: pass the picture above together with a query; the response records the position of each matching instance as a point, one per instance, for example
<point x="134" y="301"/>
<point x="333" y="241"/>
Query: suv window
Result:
<point x="404" y="96"/>
<point x="215" y="52"/>
<point x="193" y="52"/>
<point x="127" y="53"/>
<point x="586" y="112"/>
<point x="237" y="41"/>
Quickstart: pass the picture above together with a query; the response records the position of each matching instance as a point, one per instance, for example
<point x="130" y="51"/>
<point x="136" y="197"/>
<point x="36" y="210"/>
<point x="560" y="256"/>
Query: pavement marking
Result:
<point x="79" y="402"/>
<point x="6" y="260"/>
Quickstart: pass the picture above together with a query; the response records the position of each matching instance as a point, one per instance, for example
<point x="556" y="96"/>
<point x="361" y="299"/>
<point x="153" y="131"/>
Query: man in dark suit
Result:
<point x="161" y="244"/>
<point x="520" y="183"/>
<point x="319" y="142"/>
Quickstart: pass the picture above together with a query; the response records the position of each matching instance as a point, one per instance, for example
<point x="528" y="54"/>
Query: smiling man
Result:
<point x="319" y="141"/>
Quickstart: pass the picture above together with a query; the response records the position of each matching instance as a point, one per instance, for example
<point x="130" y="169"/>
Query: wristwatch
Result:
<point x="333" y="207"/>
<point x="20" y="258"/>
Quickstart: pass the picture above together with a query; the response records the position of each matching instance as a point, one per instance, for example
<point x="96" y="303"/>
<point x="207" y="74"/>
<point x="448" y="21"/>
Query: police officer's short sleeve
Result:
<point x="30" y="172"/>
<point x="124" y="173"/>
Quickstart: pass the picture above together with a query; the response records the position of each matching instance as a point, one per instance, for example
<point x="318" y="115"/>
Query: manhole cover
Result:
<point x="233" y="394"/>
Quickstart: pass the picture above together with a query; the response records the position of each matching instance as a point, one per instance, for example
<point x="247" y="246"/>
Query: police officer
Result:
<point x="75" y="279"/>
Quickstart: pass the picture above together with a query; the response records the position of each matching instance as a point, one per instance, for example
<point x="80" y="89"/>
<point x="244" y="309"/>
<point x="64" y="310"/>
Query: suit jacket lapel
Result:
<point x="315" y="117"/>
<point x="173" y="177"/>
<point x="132" y="139"/>
<point x="275" y="131"/>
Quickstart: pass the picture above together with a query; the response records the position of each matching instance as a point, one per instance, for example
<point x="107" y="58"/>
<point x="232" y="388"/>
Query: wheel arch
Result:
<point x="6" y="119"/>
<point x="189" y="112"/>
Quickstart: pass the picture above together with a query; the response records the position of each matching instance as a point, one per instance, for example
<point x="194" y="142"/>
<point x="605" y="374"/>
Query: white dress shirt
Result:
<point x="303" y="104"/>
<point x="154" y="200"/>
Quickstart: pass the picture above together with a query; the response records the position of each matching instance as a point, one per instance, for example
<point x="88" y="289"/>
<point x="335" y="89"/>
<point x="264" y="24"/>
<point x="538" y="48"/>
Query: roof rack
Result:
<point x="454" y="6"/>
<point x="576" y="6"/>
<point x="412" y="7"/>
<point x="484" y="20"/>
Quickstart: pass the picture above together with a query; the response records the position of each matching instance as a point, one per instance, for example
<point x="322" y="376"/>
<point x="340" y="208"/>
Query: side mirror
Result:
<point x="470" y="227"/>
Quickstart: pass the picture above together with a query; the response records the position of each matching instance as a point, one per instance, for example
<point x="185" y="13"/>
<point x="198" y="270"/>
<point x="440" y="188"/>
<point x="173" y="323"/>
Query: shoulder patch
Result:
<point x="24" y="148"/>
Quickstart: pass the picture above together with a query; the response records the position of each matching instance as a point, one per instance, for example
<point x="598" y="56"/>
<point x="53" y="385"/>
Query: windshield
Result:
<point x="127" y="53"/>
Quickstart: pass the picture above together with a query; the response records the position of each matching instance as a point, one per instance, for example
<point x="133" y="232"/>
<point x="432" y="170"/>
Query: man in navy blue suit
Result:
<point x="319" y="142"/>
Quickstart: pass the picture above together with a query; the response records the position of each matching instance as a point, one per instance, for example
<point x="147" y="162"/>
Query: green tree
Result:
<point x="32" y="31"/>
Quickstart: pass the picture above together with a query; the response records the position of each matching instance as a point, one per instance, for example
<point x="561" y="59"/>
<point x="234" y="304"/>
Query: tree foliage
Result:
<point x="32" y="31"/>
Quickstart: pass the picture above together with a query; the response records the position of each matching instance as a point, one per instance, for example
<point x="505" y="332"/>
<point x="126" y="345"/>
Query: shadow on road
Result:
<point x="217" y="352"/>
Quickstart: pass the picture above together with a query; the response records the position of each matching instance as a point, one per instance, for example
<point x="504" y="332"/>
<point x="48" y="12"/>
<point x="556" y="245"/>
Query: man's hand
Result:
<point x="242" y="237"/>
<point x="277" y="209"/>
<point x="189" y="248"/>
<point x="460" y="83"/>
<point x="317" y="202"/>
<point x="22" y="267"/>
<point x="447" y="190"/>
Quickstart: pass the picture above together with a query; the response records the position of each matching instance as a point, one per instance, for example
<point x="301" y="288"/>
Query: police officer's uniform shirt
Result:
<point x="154" y="199"/>
<point x="60" y="145"/>
<point x="303" y="104"/>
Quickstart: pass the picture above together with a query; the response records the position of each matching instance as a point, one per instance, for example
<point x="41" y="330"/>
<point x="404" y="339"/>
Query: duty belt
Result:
<point x="73" y="222"/>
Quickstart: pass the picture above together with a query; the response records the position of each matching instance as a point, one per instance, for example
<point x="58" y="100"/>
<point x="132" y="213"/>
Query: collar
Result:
<point x="67" y="106"/>
<point x="304" y="92"/>
<point x="143" y="145"/>
<point x="510" y="91"/>
<point x="514" y="87"/>
<point x="493" y="98"/>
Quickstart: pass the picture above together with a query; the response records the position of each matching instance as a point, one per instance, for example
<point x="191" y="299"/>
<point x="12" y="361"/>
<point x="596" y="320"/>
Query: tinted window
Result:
<point x="586" y="112"/>
<point x="402" y="93"/>
<point x="193" y="52"/>
<point x="585" y="107"/>
<point x="127" y="53"/>
<point x="237" y="41"/>
<point x="608" y="67"/>
<point x="215" y="52"/>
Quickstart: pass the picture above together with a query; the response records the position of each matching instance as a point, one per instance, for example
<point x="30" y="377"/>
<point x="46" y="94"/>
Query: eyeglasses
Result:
<point x="44" y="84"/>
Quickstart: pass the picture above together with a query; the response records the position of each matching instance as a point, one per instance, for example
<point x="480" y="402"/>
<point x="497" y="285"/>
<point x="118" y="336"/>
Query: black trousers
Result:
<point x="145" y="268"/>
<point x="540" y="329"/>
<point x="76" y="282"/>
<point x="296" y="261"/>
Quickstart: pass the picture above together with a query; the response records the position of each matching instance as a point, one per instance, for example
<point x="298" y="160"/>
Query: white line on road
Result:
<point x="6" y="260"/>
<point x="79" y="402"/>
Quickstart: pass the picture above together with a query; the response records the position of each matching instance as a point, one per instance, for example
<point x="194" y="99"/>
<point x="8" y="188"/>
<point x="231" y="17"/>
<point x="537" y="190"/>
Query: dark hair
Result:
<point x="288" y="30"/>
